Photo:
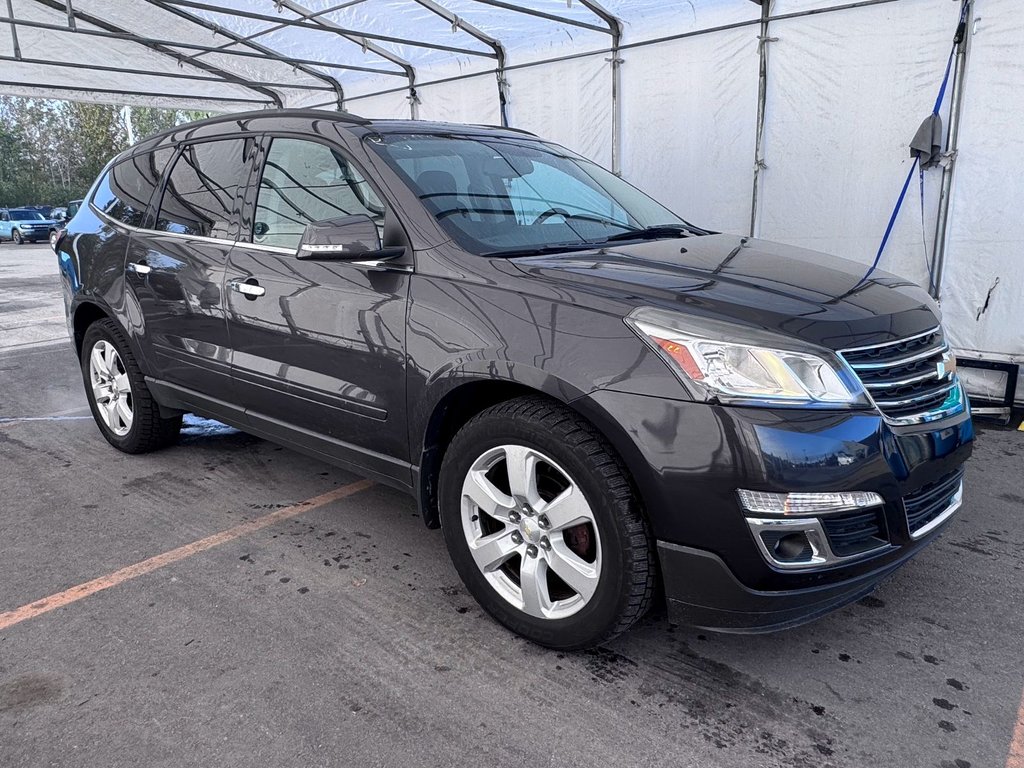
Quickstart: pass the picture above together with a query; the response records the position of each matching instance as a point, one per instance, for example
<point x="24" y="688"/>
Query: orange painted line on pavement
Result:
<point x="1016" y="758"/>
<point x="73" y="594"/>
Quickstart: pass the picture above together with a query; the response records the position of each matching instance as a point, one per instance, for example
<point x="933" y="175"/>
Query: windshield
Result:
<point x="21" y="214"/>
<point x="502" y="195"/>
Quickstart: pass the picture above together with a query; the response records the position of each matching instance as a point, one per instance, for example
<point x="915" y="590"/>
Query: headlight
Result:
<point x="762" y="371"/>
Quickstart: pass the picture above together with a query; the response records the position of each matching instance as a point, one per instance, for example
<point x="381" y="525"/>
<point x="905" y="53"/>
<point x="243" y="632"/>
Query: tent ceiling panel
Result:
<point x="149" y="18"/>
<point x="131" y="66"/>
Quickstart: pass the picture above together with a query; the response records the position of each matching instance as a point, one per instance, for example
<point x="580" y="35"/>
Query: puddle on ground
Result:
<point x="196" y="426"/>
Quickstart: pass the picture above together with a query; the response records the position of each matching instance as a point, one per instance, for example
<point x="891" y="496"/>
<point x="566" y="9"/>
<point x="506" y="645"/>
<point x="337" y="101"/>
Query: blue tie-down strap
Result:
<point x="957" y="39"/>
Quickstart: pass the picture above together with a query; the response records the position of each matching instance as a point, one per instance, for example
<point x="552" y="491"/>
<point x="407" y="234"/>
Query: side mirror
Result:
<point x="346" y="238"/>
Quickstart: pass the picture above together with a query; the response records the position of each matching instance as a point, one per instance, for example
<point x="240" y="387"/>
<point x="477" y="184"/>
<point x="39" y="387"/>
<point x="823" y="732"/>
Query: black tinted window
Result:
<point x="125" y="190"/>
<point x="202" y="188"/>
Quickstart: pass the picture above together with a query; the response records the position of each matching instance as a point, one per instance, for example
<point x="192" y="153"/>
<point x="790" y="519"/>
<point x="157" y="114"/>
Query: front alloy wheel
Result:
<point x="531" y="531"/>
<point x="544" y="526"/>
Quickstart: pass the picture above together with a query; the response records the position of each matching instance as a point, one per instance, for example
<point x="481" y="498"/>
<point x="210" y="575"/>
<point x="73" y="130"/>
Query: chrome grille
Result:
<point x="908" y="379"/>
<point x="926" y="505"/>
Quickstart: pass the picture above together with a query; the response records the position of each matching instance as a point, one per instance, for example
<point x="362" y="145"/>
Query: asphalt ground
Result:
<point x="337" y="633"/>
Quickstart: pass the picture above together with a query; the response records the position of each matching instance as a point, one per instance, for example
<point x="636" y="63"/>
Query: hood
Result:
<point x="804" y="294"/>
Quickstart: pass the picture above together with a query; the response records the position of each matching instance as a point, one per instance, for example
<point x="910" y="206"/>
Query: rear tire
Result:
<point x="555" y="547"/>
<point x="121" y="403"/>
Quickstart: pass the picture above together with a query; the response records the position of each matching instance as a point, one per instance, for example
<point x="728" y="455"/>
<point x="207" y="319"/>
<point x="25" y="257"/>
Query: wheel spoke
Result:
<point x="99" y="394"/>
<point x="99" y="365"/>
<point x="580" y="575"/>
<point x="567" y="509"/>
<point x="110" y="357"/>
<point x="490" y="552"/>
<point x="124" y="412"/>
<point x="109" y="411"/>
<point x="486" y="496"/>
<point x="522" y="472"/>
<point x="122" y="384"/>
<point x="534" y="584"/>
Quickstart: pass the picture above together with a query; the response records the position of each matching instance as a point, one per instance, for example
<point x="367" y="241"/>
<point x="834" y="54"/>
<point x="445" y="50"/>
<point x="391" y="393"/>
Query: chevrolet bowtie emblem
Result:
<point x="946" y="367"/>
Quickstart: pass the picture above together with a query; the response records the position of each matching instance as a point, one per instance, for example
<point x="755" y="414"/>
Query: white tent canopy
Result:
<point x="789" y="121"/>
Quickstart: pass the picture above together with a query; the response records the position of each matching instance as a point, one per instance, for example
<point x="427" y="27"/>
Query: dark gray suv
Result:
<point x="599" y="403"/>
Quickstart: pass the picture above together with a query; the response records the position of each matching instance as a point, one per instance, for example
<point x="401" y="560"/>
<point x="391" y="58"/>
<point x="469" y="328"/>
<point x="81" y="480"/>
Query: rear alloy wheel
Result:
<point x="17" y="238"/>
<point x="110" y="388"/>
<point x="125" y="411"/>
<point x="543" y="525"/>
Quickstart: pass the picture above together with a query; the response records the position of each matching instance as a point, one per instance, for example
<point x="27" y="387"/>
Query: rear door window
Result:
<point x="304" y="182"/>
<point x="201" y="194"/>
<point x="125" y="191"/>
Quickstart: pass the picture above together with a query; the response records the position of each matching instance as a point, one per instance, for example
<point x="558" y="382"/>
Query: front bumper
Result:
<point x="688" y="460"/>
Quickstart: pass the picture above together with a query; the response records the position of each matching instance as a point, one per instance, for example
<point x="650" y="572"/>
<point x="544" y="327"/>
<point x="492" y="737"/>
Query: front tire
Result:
<point x="544" y="526"/>
<point x="121" y="403"/>
<point x="17" y="238"/>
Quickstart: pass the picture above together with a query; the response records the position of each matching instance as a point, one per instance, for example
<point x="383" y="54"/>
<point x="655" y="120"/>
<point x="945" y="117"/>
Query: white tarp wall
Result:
<point x="846" y="90"/>
<point x="983" y="286"/>
<point x="848" y="82"/>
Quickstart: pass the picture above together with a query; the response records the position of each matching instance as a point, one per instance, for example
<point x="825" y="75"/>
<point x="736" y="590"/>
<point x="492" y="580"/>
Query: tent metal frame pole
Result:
<point x="615" y="28"/>
<point x="279" y="26"/>
<point x="14" y="30"/>
<point x="335" y="84"/>
<point x="367" y="45"/>
<point x="303" y="25"/>
<point x="106" y="28"/>
<point x="542" y="15"/>
<point x="491" y="42"/>
<point x="155" y="73"/>
<point x="115" y="91"/>
<point x="762" y="105"/>
<point x="952" y="146"/>
<point x="149" y="42"/>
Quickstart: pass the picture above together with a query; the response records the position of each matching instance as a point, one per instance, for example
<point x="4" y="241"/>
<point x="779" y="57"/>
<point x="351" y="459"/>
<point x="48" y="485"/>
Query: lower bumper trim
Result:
<point x="701" y="591"/>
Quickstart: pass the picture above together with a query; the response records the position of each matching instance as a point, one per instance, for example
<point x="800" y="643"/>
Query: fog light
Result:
<point x="793" y="546"/>
<point x="765" y="503"/>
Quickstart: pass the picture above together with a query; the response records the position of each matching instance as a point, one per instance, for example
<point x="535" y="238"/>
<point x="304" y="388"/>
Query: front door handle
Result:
<point x="139" y="268"/>
<point x="248" y="288"/>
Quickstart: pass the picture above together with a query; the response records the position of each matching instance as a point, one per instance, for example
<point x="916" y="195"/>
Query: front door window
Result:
<point x="304" y="182"/>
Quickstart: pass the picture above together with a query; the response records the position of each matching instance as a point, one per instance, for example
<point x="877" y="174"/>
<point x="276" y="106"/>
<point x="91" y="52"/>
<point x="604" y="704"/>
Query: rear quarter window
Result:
<point x="125" y="191"/>
<point x="201" y="194"/>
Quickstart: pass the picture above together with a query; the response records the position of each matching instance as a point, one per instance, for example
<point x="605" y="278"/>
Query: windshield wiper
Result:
<point x="656" y="232"/>
<point x="540" y="250"/>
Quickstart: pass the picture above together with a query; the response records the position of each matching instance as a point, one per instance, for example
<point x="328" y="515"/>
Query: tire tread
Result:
<point x="580" y="435"/>
<point x="152" y="432"/>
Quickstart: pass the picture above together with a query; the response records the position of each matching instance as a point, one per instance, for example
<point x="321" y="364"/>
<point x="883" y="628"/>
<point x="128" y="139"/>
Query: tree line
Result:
<point x="52" y="151"/>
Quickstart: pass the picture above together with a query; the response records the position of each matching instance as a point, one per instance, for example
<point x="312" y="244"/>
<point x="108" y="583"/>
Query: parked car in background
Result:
<point x="25" y="225"/>
<point x="62" y="216"/>
<point x="597" y="401"/>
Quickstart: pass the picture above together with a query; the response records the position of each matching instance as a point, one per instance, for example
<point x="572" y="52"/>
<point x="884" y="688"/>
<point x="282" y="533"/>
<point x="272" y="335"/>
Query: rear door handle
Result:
<point x="139" y="268"/>
<point x="248" y="288"/>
